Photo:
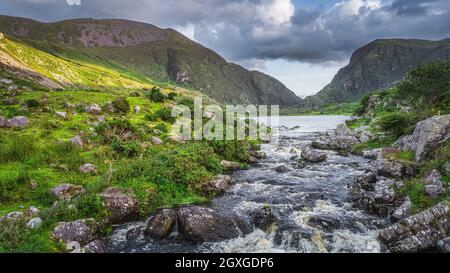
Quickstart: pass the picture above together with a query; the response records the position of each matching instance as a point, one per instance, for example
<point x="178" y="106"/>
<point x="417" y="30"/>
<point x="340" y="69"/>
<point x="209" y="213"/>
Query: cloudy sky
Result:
<point x="301" y="42"/>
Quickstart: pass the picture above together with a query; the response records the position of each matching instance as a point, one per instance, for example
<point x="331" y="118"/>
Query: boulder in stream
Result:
<point x="161" y="224"/>
<point x="313" y="156"/>
<point x="201" y="224"/>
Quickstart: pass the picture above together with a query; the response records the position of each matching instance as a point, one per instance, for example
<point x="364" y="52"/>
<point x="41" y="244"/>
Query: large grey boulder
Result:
<point x="419" y="232"/>
<point x="219" y="184"/>
<point x="161" y="224"/>
<point x="18" y="122"/>
<point x="123" y="207"/>
<point x="200" y="224"/>
<point x="81" y="231"/>
<point x="313" y="156"/>
<point x="428" y="135"/>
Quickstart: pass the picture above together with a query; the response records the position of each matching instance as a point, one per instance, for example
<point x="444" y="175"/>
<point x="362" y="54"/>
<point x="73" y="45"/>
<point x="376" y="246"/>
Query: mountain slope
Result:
<point x="163" y="55"/>
<point x="378" y="65"/>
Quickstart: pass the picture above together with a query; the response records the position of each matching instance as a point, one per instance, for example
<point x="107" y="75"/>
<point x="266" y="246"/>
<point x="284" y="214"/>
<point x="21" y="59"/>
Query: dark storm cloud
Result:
<point x="255" y="30"/>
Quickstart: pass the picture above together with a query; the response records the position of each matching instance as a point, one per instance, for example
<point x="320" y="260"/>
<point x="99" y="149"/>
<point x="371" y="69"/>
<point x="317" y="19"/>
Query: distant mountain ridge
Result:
<point x="378" y="65"/>
<point x="163" y="55"/>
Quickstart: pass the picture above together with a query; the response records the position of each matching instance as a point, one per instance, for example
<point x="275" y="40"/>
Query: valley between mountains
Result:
<point x="88" y="162"/>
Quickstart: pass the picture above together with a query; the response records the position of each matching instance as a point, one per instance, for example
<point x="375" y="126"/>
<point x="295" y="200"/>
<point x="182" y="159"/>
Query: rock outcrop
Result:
<point x="428" y="135"/>
<point x="419" y="232"/>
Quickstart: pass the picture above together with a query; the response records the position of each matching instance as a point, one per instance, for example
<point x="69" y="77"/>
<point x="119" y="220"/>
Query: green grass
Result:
<point x="169" y="175"/>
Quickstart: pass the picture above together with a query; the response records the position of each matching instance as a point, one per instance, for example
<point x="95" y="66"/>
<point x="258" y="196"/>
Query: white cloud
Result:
<point x="276" y="12"/>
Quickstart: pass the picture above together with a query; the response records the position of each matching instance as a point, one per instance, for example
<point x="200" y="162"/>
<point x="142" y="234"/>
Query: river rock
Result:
<point x="18" y="122"/>
<point x="419" y="232"/>
<point x="265" y="219"/>
<point x="94" y="109"/>
<point x="88" y="169"/>
<point x="404" y="210"/>
<point x="123" y="207"/>
<point x="81" y="231"/>
<point x="373" y="154"/>
<point x="252" y="160"/>
<point x="95" y="247"/>
<point x="444" y="245"/>
<point x="230" y="165"/>
<point x="67" y="191"/>
<point x="367" y="180"/>
<point x="384" y="191"/>
<point x="326" y="223"/>
<point x="283" y="169"/>
<point x="258" y="154"/>
<point x="134" y="233"/>
<point x="200" y="224"/>
<point x="219" y="183"/>
<point x="161" y="224"/>
<point x="313" y="156"/>
<point x="428" y="135"/>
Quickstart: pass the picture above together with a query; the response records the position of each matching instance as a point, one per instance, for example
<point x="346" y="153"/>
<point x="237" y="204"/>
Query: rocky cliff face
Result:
<point x="378" y="65"/>
<point x="163" y="55"/>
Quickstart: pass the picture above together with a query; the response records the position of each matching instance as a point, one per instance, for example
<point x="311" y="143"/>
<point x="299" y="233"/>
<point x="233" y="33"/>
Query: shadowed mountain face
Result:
<point x="163" y="55"/>
<point x="378" y="65"/>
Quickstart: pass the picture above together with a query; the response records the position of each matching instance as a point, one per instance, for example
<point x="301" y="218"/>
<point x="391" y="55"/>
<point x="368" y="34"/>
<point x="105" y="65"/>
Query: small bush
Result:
<point x="162" y="127"/>
<point x="32" y="103"/>
<point x="128" y="149"/>
<point x="397" y="123"/>
<point x="172" y="96"/>
<point x="121" y="105"/>
<point x="165" y="114"/>
<point x="156" y="95"/>
<point x="151" y="117"/>
<point x="117" y="128"/>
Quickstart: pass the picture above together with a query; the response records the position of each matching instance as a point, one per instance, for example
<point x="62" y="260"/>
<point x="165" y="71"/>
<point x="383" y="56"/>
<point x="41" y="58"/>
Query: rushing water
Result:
<point x="311" y="202"/>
